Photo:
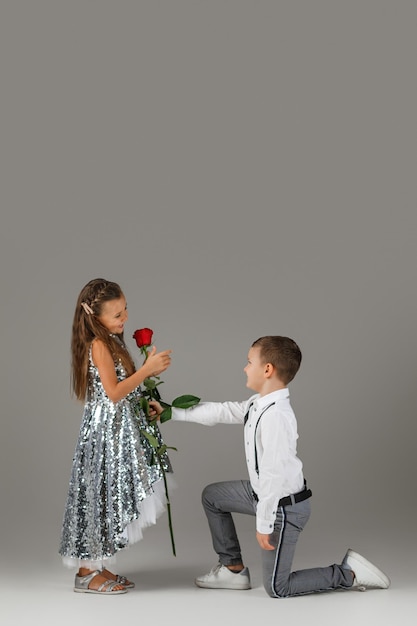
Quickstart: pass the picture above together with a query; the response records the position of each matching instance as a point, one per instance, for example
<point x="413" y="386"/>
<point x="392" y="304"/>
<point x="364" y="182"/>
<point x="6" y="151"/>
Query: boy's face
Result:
<point x="255" y="370"/>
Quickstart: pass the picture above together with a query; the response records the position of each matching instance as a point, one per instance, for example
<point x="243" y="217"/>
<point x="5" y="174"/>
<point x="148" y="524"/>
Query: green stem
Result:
<point x="171" y="532"/>
<point x="159" y="451"/>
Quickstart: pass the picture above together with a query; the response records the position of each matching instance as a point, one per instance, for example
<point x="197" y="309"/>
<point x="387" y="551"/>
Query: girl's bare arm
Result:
<point x="156" y="363"/>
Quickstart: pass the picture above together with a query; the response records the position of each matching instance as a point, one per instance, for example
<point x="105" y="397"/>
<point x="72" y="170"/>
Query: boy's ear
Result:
<point x="268" y="370"/>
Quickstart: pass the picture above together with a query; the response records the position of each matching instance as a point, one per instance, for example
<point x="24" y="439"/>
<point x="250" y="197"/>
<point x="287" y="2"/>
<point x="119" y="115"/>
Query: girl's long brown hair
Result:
<point x="86" y="327"/>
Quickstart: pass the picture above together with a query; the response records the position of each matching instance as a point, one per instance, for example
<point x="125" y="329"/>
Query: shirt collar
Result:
<point x="274" y="396"/>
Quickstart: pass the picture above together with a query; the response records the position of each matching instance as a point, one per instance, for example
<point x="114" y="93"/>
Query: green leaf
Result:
<point x="149" y="383"/>
<point x="144" y="405"/>
<point x="152" y="440"/>
<point x="184" y="402"/>
<point x="165" y="415"/>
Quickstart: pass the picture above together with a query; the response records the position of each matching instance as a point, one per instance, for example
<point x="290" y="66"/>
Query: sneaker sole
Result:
<point x="385" y="581"/>
<point x="205" y="585"/>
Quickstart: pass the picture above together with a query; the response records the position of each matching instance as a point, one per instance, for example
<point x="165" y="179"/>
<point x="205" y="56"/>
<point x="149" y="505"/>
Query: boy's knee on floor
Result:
<point x="277" y="594"/>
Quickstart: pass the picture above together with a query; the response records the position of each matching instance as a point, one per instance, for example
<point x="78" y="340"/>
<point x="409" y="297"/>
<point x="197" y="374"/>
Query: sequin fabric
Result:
<point x="114" y="470"/>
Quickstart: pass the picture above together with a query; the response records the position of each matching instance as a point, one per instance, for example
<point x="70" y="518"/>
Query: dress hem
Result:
<point x="151" y="509"/>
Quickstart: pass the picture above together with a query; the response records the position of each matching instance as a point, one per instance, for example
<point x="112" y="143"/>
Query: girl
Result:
<point x="116" y="487"/>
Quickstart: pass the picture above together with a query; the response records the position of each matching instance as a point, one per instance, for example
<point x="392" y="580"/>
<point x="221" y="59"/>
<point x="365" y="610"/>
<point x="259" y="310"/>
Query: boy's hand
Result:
<point x="263" y="541"/>
<point x="155" y="408"/>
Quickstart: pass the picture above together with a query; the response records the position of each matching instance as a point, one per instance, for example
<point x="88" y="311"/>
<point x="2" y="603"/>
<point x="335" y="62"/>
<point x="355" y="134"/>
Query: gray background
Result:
<point x="240" y="168"/>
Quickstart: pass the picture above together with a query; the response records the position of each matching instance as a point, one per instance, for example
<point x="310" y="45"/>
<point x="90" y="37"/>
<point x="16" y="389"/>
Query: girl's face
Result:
<point x="114" y="315"/>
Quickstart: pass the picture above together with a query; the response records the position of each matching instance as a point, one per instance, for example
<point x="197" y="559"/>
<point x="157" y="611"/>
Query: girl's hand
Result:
<point x="155" y="409"/>
<point x="157" y="362"/>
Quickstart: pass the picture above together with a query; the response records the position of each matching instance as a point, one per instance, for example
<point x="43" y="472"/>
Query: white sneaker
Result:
<point x="220" y="577"/>
<point x="367" y="575"/>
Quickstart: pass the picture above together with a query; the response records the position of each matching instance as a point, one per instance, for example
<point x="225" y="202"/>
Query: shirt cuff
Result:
<point x="265" y="527"/>
<point x="179" y="415"/>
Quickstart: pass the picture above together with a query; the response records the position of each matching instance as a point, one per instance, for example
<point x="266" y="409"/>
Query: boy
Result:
<point x="276" y="492"/>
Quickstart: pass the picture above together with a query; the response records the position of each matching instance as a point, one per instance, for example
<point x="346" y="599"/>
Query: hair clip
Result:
<point x="87" y="308"/>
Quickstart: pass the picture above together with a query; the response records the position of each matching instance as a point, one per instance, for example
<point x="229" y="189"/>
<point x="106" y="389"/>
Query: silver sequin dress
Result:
<point x="116" y="487"/>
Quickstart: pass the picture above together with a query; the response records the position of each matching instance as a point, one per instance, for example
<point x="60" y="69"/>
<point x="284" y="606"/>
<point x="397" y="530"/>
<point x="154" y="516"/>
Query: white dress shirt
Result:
<point x="270" y="439"/>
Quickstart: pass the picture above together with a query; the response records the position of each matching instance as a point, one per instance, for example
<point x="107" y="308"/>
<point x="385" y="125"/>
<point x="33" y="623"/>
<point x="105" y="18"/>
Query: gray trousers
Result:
<point x="236" y="496"/>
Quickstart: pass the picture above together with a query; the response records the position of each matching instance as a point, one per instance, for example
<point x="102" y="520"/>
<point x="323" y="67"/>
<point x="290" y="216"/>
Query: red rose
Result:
<point x="143" y="337"/>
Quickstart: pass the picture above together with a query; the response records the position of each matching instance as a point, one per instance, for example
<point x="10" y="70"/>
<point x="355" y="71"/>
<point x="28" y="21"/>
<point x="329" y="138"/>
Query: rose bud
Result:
<point x="143" y="337"/>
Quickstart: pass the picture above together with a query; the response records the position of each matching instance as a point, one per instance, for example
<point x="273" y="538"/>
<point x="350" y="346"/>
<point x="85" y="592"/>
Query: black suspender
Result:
<point x="292" y="499"/>
<point x="254" y="432"/>
<point x="245" y="419"/>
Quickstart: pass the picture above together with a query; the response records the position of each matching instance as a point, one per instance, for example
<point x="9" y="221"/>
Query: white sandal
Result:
<point x="81" y="585"/>
<point x="121" y="580"/>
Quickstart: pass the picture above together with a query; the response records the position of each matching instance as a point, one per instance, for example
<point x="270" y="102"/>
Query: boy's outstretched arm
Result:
<point x="207" y="413"/>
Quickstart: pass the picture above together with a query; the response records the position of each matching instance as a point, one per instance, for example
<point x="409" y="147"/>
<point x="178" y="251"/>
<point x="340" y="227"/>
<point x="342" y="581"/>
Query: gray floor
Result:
<point x="35" y="586"/>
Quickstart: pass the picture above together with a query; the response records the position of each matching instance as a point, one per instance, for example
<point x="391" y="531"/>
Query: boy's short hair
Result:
<point x="282" y="352"/>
